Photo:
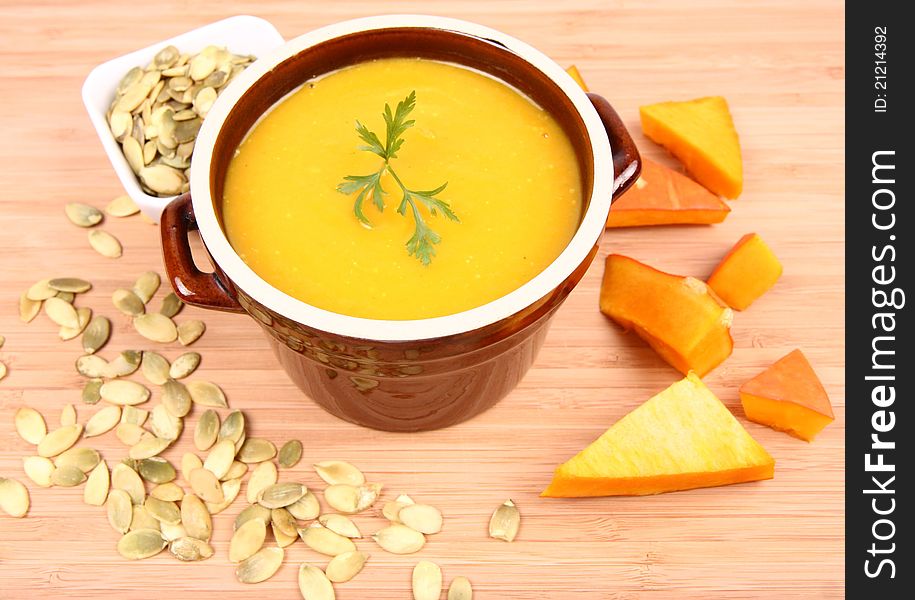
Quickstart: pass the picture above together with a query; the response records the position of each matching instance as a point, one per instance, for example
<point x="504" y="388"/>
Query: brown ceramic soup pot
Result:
<point x="406" y="375"/>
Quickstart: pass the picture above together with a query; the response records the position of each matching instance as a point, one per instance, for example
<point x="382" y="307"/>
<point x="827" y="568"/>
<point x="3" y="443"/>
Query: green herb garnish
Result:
<point x="421" y="245"/>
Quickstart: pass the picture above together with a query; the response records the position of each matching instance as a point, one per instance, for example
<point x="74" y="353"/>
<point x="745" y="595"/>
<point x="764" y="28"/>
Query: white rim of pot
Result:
<point x="581" y="244"/>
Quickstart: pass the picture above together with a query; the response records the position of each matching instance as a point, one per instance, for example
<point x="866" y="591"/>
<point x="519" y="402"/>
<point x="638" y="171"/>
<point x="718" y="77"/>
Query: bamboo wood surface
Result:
<point x="780" y="65"/>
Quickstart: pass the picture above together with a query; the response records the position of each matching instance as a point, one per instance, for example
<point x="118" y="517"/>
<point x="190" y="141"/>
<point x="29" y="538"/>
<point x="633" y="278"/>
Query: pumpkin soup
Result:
<point x="512" y="181"/>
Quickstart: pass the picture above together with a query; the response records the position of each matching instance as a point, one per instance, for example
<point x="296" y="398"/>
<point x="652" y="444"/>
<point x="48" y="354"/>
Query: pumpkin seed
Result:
<point x="162" y="179"/>
<point x="128" y="303"/>
<point x="421" y="517"/>
<point x="155" y="368"/>
<point x="351" y="499"/>
<point x="236" y="471"/>
<point x="91" y="365"/>
<point x="391" y="509"/>
<point x="102" y="421"/>
<point x="146" y="286"/>
<point x="134" y="415"/>
<point x="247" y="540"/>
<point x="28" y="308"/>
<point x="400" y="539"/>
<point x="120" y="510"/>
<point x="141" y="543"/>
<point x="169" y="490"/>
<point x="206" y="486"/>
<point x="67" y="476"/>
<point x="344" y="567"/>
<point x="156" y="327"/>
<point x="189" y="462"/>
<point x="14" y="497"/>
<point x="129" y="434"/>
<point x="176" y="398"/>
<point x="83" y="215"/>
<point x="282" y="520"/>
<point x="30" y="425"/>
<point x="206" y="431"/>
<point x="196" y="517"/>
<point x="189" y="549"/>
<point x="59" y="440"/>
<point x="205" y="393"/>
<point x="68" y="415"/>
<point x="122" y="206"/>
<point x="323" y="540"/>
<point x="503" y="525"/>
<point x="256" y="450"/>
<point x="230" y="489"/>
<point x="143" y="520"/>
<point x="190" y="331"/>
<point x="314" y="584"/>
<point x="282" y="539"/>
<point x="281" y="495"/>
<point x="38" y="469"/>
<point x="233" y="428"/>
<point x="126" y="479"/>
<point x="460" y="589"/>
<point x="84" y="459"/>
<point x="260" y="566"/>
<point x="184" y="365"/>
<point x="126" y="363"/>
<point x="41" y="290"/>
<point x="338" y="471"/>
<point x="220" y="458"/>
<point x="263" y="476"/>
<point x="96" y="334"/>
<point x="148" y="447"/>
<point x="105" y="244"/>
<point x="204" y="100"/>
<point x="340" y="524"/>
<point x="172" y="532"/>
<point x="171" y="305"/>
<point x="70" y="284"/>
<point x="156" y="470"/>
<point x="61" y="312"/>
<point x="253" y="511"/>
<point x="123" y="392"/>
<point x="290" y="454"/>
<point x="91" y="394"/>
<point x="84" y="314"/>
<point x="68" y="297"/>
<point x="163" y="510"/>
<point x="427" y="581"/>
<point x="305" y="508"/>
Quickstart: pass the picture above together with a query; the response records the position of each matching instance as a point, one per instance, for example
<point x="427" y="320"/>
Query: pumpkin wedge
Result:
<point x="681" y="439"/>
<point x="788" y="396"/>
<point x="677" y="316"/>
<point x="701" y="134"/>
<point x="746" y="272"/>
<point x="661" y="196"/>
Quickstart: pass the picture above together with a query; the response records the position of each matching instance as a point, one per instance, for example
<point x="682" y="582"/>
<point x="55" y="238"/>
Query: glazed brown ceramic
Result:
<point x="396" y="385"/>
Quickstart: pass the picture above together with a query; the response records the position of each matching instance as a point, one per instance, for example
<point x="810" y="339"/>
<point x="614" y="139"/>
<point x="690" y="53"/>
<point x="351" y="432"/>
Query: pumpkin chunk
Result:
<point x="677" y="316"/>
<point x="788" y="396"/>
<point x="681" y="439"/>
<point x="701" y="134"/>
<point x="661" y="196"/>
<point x="746" y="272"/>
<point x="573" y="71"/>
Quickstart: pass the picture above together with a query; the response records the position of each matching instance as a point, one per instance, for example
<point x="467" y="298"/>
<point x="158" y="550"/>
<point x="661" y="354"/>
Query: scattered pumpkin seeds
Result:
<point x="460" y="589"/>
<point x="314" y="584"/>
<point x="260" y="566"/>
<point x="338" y="471"/>
<point x="206" y="485"/>
<point x="290" y="454"/>
<point x="164" y="424"/>
<point x="281" y="495"/>
<point x="155" y="368"/>
<point x="247" y="540"/>
<point x="305" y="508"/>
<point x="84" y="459"/>
<point x="61" y="312"/>
<point x="38" y="469"/>
<point x="184" y="365"/>
<point x="91" y="391"/>
<point x="124" y="392"/>
<point x="253" y="511"/>
<point x="96" y="334"/>
<point x="236" y="471"/>
<point x="220" y="458"/>
<point x="125" y="478"/>
<point x="282" y="520"/>
<point x="148" y="447"/>
<point x="128" y="302"/>
<point x="83" y="215"/>
<point x="256" y="450"/>
<point x="233" y="427"/>
<point x="189" y="462"/>
<point x="59" y="440"/>
<point x="170" y="491"/>
<point x="14" y="497"/>
<point x="143" y="520"/>
<point x="176" y="398"/>
<point x="340" y="524"/>
<point x="190" y="331"/>
<point x="171" y="305"/>
<point x="122" y="206"/>
<point x="156" y="327"/>
<point x="163" y="511"/>
<point x="30" y="425"/>
<point x="392" y="508"/>
<point x="505" y="522"/>
<point x="421" y="517"/>
<point x="83" y="313"/>
<point x="400" y="539"/>
<point x="323" y="540"/>
<point x="427" y="581"/>
<point x="67" y="476"/>
<point x="206" y="431"/>
<point x="28" y="308"/>
<point x="350" y="499"/>
<point x="172" y="532"/>
<point x="263" y="476"/>
<point x="156" y="470"/>
<point x="120" y="510"/>
<point x="41" y="290"/>
<point x="129" y="433"/>
<point x="344" y="567"/>
<point x="205" y="393"/>
<point x="126" y="363"/>
<point x="70" y="284"/>
<point x="134" y="415"/>
<point x="146" y="286"/>
<point x="102" y="421"/>
<point x="196" y="518"/>
<point x="230" y="489"/>
<point x="189" y="549"/>
<point x="68" y="415"/>
<point x="141" y="543"/>
<point x="92" y="365"/>
<point x="105" y="244"/>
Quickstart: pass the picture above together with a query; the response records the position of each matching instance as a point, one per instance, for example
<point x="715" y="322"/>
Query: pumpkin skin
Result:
<point x="682" y="438"/>
<point x="746" y="272"/>
<point x="701" y="134"/>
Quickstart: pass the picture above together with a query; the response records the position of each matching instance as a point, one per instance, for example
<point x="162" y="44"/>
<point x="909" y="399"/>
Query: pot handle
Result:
<point x="190" y="283"/>
<point x="627" y="164"/>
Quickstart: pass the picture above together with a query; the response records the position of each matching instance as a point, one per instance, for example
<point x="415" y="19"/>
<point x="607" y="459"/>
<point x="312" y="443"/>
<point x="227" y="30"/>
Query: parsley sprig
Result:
<point x="422" y="244"/>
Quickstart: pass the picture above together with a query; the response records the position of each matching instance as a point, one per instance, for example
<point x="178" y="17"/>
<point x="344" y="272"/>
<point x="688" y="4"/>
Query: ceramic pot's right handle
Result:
<point x="627" y="164"/>
<point x="190" y="283"/>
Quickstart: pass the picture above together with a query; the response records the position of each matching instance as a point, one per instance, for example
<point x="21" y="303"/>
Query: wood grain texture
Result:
<point x="779" y="63"/>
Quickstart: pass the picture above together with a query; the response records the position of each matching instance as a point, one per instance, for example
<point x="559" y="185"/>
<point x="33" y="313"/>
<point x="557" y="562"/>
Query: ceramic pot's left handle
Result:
<point x="190" y="283"/>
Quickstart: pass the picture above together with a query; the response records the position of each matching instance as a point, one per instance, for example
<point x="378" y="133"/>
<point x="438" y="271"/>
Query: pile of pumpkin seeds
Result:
<point x="157" y="112"/>
<point x="179" y="518"/>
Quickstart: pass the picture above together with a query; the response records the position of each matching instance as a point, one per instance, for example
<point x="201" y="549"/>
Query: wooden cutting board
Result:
<point x="780" y="65"/>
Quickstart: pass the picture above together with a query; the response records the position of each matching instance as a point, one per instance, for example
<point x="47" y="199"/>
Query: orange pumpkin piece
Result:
<point x="701" y="134"/>
<point x="788" y="396"/>
<point x="746" y="272"/>
<point x="661" y="196"/>
<point x="573" y="71"/>
<point x="681" y="439"/>
<point x="677" y="316"/>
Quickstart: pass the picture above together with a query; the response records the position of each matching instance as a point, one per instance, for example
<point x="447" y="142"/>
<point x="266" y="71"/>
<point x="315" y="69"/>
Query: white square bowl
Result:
<point x="241" y="34"/>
